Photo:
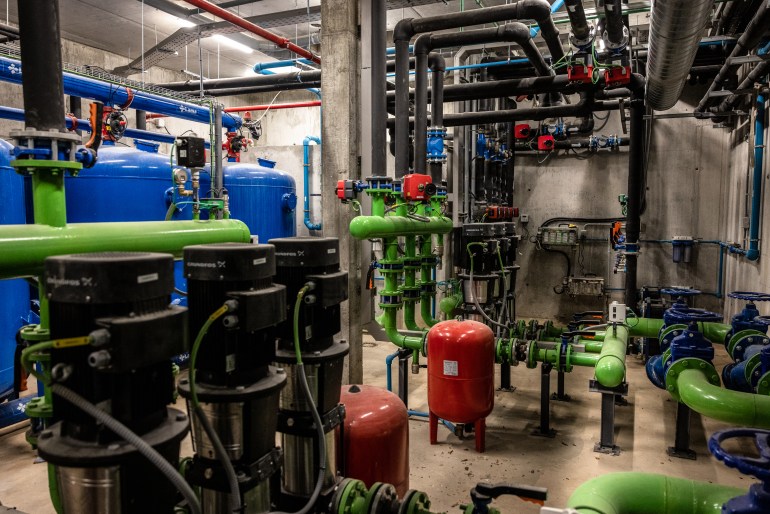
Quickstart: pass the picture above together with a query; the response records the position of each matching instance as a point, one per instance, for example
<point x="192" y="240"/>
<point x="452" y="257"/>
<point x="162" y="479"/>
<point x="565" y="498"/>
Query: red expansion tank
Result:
<point x="376" y="437"/>
<point x="461" y="358"/>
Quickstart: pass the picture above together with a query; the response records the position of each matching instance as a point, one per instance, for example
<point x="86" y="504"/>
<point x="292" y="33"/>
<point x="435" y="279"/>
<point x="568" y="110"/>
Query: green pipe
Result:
<point x="410" y="249"/>
<point x="450" y="303"/>
<point x="395" y="337"/>
<point x="646" y="493"/>
<point x="551" y="356"/>
<point x="647" y="327"/>
<point x="25" y="247"/>
<point x="426" y="278"/>
<point x="610" y="369"/>
<point x="371" y="227"/>
<point x="48" y="202"/>
<point x="592" y="346"/>
<point x="698" y="387"/>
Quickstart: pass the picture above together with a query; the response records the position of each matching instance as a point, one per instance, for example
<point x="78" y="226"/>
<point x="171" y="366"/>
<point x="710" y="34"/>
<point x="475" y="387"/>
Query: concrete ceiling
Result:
<point x="117" y="26"/>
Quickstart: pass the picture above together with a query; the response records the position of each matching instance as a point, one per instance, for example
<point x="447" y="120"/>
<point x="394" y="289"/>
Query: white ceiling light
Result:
<point x="226" y="41"/>
<point x="184" y="23"/>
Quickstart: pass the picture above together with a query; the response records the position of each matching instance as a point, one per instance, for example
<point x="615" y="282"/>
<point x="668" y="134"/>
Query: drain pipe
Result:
<point x="634" y="191"/>
<point x="538" y="10"/>
<point x="748" y="41"/>
<point x="752" y="253"/>
<point x="306" y="167"/>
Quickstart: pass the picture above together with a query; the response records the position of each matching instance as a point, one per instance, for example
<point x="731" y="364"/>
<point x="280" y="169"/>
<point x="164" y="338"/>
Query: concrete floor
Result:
<point x="448" y="470"/>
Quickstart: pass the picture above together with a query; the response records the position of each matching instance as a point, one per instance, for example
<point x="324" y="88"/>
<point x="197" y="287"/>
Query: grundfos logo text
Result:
<point x="218" y="264"/>
<point x="184" y="108"/>
<point x="56" y="281"/>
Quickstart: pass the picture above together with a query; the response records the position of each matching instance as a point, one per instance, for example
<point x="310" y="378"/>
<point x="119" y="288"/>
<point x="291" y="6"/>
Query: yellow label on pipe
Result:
<point x="69" y="342"/>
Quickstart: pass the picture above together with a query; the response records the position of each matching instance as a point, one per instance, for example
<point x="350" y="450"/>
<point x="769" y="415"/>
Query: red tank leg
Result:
<point x="433" y="426"/>
<point x="480" y="427"/>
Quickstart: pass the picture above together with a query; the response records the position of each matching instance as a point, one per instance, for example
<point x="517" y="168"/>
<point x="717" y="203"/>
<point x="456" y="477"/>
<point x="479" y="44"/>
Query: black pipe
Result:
<point x="748" y="41"/>
<point x="390" y="66"/>
<point x="141" y="120"/>
<point x="755" y="75"/>
<point x="42" y="83"/>
<point x="234" y="91"/>
<point x="437" y="66"/>
<point x="636" y="160"/>
<point x="565" y="144"/>
<point x="538" y="10"/>
<point x="578" y="110"/>
<point x="581" y="31"/>
<point x="615" y="32"/>
<point x="510" y="165"/>
<point x="300" y="77"/>
<point x="379" y="30"/>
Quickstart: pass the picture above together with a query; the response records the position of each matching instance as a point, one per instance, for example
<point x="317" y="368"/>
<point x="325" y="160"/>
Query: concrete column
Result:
<point x="340" y="132"/>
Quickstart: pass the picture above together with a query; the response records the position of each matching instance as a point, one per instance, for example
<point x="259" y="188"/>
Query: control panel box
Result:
<point x="558" y="236"/>
<point x="586" y="286"/>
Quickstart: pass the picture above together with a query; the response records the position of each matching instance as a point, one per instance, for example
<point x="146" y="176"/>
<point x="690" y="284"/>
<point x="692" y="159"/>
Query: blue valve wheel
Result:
<point x="680" y="291"/>
<point x="750" y="296"/>
<point x="755" y="466"/>
<point x="691" y="314"/>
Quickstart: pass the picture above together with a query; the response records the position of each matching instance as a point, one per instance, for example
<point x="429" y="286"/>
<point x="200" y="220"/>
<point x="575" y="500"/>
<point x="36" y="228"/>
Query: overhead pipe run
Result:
<point x="279" y="41"/>
<point x="676" y="27"/>
<point x="274" y="107"/>
<point x="538" y="10"/>
<point x="747" y="42"/>
<point x="301" y="78"/>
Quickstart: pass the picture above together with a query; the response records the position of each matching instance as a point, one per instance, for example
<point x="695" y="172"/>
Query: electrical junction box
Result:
<point x="617" y="313"/>
<point x="524" y="218"/>
<point x="585" y="286"/>
<point x="559" y="236"/>
<point x="417" y="187"/>
<point x="580" y="73"/>
<point x="191" y="152"/>
<point x="617" y="75"/>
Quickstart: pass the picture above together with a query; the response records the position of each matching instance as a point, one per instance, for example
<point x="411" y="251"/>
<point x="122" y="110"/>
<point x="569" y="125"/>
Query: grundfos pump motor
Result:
<point x="113" y="336"/>
<point x="311" y="262"/>
<point x="237" y="386"/>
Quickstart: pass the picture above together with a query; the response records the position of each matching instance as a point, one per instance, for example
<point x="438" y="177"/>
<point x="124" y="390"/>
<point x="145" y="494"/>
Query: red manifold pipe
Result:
<point x="153" y="116"/>
<point x="254" y="29"/>
<point x="313" y="103"/>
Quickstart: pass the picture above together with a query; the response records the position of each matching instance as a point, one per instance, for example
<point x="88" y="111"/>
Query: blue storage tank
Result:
<point x="14" y="294"/>
<point x="264" y="198"/>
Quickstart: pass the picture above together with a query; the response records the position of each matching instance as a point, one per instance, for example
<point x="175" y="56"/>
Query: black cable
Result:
<point x="586" y="220"/>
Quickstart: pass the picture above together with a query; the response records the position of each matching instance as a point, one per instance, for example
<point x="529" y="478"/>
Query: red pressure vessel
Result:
<point x="376" y="437"/>
<point x="461" y="358"/>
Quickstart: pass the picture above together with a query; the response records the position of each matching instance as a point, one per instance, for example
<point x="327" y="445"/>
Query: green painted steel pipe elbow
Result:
<point x="367" y="227"/>
<point x="645" y="493"/>
<point x="25" y="247"/>
<point x="450" y="303"/>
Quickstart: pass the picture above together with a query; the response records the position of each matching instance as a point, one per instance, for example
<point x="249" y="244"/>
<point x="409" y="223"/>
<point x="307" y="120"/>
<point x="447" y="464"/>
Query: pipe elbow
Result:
<point x="538" y="10"/>
<point x="404" y="30"/>
<point x="752" y="254"/>
<point x="436" y="62"/>
<point x="637" y="85"/>
<point x="515" y="32"/>
<point x="311" y="139"/>
<point x="312" y="226"/>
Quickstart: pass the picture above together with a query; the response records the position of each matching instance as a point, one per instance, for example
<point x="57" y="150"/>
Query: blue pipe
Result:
<point x="756" y="193"/>
<point x="10" y="113"/>
<point x="534" y="31"/>
<point x="113" y="94"/>
<point x="418" y="413"/>
<point x="306" y="167"/>
<point x="262" y="66"/>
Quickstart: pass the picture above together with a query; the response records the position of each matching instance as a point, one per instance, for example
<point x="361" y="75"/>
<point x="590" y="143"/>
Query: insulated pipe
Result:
<point x="277" y="79"/>
<point x="643" y="493"/>
<point x="378" y="20"/>
<point x="615" y="34"/>
<point x="237" y="91"/>
<point x="25" y="247"/>
<point x="748" y="41"/>
<point x="581" y="35"/>
<point x="578" y="110"/>
<point x="373" y="227"/>
<point x="306" y="177"/>
<point x="112" y="94"/>
<point x="41" y="53"/>
<point x="539" y="10"/>
<point x="675" y="31"/>
<point x="693" y="388"/>
<point x="279" y="41"/>
<point x="755" y="75"/>
<point x="274" y="107"/>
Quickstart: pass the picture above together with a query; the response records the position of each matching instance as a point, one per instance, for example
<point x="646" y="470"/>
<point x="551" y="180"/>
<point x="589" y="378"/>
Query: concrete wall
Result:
<point x="688" y="161"/>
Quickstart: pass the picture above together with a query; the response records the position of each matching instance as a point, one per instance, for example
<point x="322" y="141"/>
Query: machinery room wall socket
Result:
<point x="524" y="218"/>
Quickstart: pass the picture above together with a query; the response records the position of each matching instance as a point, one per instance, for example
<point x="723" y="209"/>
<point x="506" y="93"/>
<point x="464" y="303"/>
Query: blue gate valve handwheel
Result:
<point x="757" y="501"/>
<point x="691" y="314"/>
<point x="679" y="291"/>
<point x="750" y="296"/>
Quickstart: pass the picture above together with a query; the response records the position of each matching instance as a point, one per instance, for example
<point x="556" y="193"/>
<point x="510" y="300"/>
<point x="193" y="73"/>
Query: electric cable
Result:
<point x="219" y="449"/>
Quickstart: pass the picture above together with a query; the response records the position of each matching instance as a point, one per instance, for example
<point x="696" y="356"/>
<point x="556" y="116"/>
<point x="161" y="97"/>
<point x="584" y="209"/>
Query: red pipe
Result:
<point x="314" y="103"/>
<point x="254" y="29"/>
<point x="153" y="116"/>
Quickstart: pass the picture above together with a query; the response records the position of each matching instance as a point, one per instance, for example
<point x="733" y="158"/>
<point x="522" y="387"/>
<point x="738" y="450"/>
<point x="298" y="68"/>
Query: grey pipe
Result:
<point x="217" y="174"/>
<point x="754" y="76"/>
<point x="538" y="10"/>
<point x="675" y="31"/>
<point x="748" y="41"/>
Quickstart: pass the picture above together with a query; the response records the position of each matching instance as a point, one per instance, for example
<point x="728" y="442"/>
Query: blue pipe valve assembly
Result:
<point x="436" y="136"/>
<point x="757" y="501"/>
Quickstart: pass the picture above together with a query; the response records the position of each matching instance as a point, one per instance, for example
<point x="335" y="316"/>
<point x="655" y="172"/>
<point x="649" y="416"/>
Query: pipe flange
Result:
<point x="739" y="342"/>
<point x="673" y="372"/>
<point x="763" y="385"/>
<point x="583" y="44"/>
<point x="619" y="46"/>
